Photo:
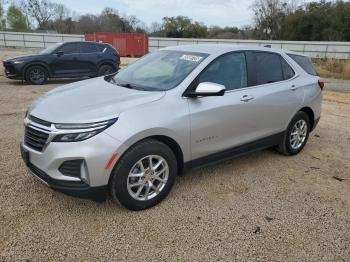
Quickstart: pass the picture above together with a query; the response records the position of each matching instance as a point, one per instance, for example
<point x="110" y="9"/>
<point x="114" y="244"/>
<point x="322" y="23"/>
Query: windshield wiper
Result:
<point x="130" y="86"/>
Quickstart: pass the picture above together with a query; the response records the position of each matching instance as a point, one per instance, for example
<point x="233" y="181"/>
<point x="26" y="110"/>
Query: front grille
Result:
<point x="71" y="168"/>
<point x="9" y="69"/>
<point x="39" y="121"/>
<point x="35" y="139"/>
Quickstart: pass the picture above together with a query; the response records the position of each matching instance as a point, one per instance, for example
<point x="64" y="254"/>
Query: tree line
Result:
<point x="273" y="20"/>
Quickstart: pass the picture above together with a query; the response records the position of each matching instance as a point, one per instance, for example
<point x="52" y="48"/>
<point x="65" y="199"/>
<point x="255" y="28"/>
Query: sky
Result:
<point x="211" y="12"/>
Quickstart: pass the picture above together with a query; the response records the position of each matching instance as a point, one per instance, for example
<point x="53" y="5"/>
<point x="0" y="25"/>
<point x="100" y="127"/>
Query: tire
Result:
<point x="105" y="70"/>
<point x="293" y="144"/>
<point x="36" y="75"/>
<point x="127" y="176"/>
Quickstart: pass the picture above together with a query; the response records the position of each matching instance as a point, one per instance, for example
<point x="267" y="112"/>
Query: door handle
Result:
<point x="246" y="98"/>
<point x="293" y="87"/>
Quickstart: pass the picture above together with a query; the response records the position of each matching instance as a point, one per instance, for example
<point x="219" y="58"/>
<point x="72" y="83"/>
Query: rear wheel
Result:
<point x="36" y="75"/>
<point x="296" y="135"/>
<point x="105" y="70"/>
<point x="144" y="175"/>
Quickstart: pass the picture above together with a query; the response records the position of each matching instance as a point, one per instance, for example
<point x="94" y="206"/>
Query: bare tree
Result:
<point x="62" y="16"/>
<point x="40" y="10"/>
<point x="268" y="16"/>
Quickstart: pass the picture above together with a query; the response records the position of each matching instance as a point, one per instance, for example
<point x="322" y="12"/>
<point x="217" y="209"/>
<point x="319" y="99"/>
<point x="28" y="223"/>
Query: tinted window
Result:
<point x="111" y="50"/>
<point x="268" y="68"/>
<point x="88" y="48"/>
<point x="101" y="48"/>
<point x="305" y="63"/>
<point x="288" y="72"/>
<point x="72" y="48"/>
<point x="229" y="70"/>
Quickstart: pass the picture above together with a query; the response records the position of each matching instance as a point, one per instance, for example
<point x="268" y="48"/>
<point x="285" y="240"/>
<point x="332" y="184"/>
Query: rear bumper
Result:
<point x="72" y="188"/>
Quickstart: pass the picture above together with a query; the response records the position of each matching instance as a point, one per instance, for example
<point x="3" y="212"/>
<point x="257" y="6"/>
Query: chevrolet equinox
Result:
<point x="131" y="133"/>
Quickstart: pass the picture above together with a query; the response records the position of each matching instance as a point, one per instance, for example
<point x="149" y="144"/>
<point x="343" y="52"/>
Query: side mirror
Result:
<point x="208" y="89"/>
<point x="59" y="53"/>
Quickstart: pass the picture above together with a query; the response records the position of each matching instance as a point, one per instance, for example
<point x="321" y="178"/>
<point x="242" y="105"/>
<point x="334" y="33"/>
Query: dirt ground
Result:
<point x="261" y="207"/>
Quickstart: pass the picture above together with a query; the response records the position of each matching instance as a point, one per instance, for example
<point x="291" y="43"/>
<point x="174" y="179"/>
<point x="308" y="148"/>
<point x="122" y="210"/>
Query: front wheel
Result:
<point x="296" y="135"/>
<point x="36" y="75"/>
<point x="144" y="175"/>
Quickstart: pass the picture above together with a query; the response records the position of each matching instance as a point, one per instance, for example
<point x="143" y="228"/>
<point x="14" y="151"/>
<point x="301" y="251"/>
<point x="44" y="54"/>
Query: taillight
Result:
<point x="321" y="84"/>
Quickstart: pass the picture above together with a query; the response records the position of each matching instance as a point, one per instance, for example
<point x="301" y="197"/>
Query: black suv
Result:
<point x="70" y="59"/>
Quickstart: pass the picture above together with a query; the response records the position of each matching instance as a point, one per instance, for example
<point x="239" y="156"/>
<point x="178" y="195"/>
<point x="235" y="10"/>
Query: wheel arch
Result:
<point x="310" y="114"/>
<point x="170" y="142"/>
<point x="107" y="62"/>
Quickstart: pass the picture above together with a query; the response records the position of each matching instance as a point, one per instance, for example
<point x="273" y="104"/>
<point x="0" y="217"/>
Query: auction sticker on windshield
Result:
<point x="192" y="58"/>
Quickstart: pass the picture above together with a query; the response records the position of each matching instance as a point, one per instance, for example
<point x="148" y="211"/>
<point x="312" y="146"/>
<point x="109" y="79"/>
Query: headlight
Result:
<point x="80" y="132"/>
<point x="18" y="62"/>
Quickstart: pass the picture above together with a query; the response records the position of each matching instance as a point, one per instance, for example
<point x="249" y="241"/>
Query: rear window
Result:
<point x="111" y="50"/>
<point x="305" y="63"/>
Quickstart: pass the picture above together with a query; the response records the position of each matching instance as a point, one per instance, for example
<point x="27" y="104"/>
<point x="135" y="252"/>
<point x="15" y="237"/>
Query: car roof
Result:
<point x="84" y="42"/>
<point x="217" y="49"/>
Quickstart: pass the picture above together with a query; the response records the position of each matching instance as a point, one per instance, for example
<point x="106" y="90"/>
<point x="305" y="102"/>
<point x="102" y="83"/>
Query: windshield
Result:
<point x="162" y="70"/>
<point x="50" y="49"/>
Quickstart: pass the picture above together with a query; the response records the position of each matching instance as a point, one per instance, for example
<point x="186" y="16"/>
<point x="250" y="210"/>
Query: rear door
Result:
<point x="88" y="58"/>
<point x="274" y="92"/>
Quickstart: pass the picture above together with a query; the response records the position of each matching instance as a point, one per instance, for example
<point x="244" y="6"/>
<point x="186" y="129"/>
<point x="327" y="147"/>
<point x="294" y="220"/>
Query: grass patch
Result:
<point x="333" y="68"/>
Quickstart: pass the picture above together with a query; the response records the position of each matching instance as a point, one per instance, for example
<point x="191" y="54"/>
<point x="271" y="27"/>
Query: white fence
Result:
<point x="35" y="40"/>
<point x="339" y="50"/>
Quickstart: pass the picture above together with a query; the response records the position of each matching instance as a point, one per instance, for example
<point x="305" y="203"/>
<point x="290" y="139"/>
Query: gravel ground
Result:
<point x="262" y="207"/>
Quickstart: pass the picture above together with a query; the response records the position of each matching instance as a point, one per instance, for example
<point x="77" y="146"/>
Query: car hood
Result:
<point x="89" y="101"/>
<point x="23" y="57"/>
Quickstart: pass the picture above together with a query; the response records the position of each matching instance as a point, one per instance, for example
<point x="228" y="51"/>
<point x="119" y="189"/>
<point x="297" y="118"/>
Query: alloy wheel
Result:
<point x="37" y="75"/>
<point x="147" y="177"/>
<point x="298" y="134"/>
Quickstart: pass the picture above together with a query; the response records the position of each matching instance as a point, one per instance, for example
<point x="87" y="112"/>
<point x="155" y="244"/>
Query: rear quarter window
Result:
<point x="305" y="63"/>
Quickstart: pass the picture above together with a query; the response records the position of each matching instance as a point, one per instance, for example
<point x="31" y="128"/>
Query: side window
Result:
<point x="102" y="48"/>
<point x="268" y="68"/>
<point x="288" y="72"/>
<point x="87" y="48"/>
<point x="72" y="48"/>
<point x="229" y="70"/>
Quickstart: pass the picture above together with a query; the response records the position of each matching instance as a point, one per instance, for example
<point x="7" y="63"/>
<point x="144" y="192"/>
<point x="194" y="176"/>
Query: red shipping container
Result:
<point x="127" y="44"/>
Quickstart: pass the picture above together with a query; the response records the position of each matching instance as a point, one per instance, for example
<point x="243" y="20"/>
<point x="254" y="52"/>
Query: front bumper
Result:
<point x="13" y="71"/>
<point x="77" y="189"/>
<point x="95" y="153"/>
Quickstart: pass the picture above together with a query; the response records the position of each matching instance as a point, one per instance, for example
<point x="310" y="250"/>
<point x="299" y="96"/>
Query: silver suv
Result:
<point x="180" y="108"/>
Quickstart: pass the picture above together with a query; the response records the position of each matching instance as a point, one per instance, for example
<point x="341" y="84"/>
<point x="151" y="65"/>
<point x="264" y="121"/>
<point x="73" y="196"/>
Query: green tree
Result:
<point x="2" y="18"/>
<point x="182" y="26"/>
<point x="16" y="20"/>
